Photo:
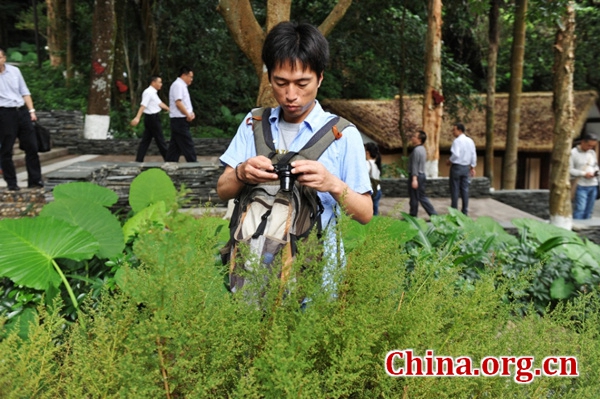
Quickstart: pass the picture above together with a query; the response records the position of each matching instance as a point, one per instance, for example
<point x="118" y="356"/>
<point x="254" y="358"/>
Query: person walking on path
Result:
<point x="150" y="106"/>
<point x="417" y="178"/>
<point x="463" y="159"/>
<point x="181" y="113"/>
<point x="16" y="121"/>
<point x="583" y="167"/>
<point x="374" y="168"/>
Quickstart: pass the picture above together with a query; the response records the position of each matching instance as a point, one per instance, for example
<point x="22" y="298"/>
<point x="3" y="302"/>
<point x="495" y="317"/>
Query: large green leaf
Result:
<point x="489" y="225"/>
<point x="87" y="193"/>
<point x="153" y="214"/>
<point x="581" y="275"/>
<point x="93" y="218"/>
<point x="560" y="289"/>
<point x="555" y="238"/>
<point x="150" y="187"/>
<point x="544" y="231"/>
<point x="28" y="246"/>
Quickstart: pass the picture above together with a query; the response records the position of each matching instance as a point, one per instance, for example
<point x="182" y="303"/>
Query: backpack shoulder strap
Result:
<point x="263" y="137"/>
<point x="321" y="140"/>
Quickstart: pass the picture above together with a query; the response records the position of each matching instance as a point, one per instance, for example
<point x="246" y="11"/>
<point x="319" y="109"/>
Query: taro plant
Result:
<point x="76" y="243"/>
<point x="76" y="227"/>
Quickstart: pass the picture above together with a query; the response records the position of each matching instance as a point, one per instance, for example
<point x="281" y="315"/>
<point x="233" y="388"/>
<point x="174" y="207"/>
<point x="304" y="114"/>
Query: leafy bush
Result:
<point x="171" y="328"/>
<point x="49" y="90"/>
<point x="544" y="265"/>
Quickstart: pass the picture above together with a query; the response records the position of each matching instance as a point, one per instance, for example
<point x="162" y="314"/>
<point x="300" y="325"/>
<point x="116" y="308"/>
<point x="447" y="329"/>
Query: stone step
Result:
<point x="19" y="155"/>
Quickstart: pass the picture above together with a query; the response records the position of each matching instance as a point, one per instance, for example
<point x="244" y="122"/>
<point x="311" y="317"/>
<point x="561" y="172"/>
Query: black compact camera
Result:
<point x="286" y="177"/>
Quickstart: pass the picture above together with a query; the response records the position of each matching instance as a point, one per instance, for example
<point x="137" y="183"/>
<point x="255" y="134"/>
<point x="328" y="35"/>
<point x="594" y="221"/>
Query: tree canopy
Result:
<point x="366" y="57"/>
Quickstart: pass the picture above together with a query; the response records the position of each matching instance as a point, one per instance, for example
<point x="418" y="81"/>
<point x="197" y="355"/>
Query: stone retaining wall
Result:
<point x="535" y="202"/>
<point x="66" y="129"/>
<point x="199" y="178"/>
<point x="435" y="188"/>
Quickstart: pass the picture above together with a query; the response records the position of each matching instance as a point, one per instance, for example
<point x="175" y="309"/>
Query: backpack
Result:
<point x="271" y="217"/>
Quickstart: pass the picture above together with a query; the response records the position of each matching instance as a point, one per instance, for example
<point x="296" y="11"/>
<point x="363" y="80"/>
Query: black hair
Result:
<point x="589" y="137"/>
<point x="2" y="51"/>
<point x="184" y="70"/>
<point x="291" y="42"/>
<point x="373" y="151"/>
<point x="153" y="78"/>
<point x="422" y="136"/>
<point x="460" y="126"/>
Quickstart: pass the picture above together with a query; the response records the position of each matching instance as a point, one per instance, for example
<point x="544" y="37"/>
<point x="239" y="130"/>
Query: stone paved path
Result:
<point x="500" y="212"/>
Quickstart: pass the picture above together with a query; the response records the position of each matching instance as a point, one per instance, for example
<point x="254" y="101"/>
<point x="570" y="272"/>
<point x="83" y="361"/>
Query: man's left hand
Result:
<point x="314" y="174"/>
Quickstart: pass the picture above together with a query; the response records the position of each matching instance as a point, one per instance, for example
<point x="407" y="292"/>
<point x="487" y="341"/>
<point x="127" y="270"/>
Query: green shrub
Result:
<point x="49" y="89"/>
<point x="172" y="325"/>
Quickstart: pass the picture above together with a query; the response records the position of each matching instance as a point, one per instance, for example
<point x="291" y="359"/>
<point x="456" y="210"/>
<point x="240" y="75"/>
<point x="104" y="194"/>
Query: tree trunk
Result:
<point x="401" y="84"/>
<point x="509" y="170"/>
<point x="250" y="36"/>
<point x="57" y="28"/>
<point x="150" y="45"/>
<point x="69" y="41"/>
<point x="493" y="39"/>
<point x="433" y="105"/>
<point x="564" y="64"/>
<point x="120" y="86"/>
<point x="97" y="119"/>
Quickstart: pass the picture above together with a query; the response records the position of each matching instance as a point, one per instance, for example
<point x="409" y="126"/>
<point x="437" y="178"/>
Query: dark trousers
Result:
<point x="459" y="183"/>
<point x="16" y="123"/>
<point x="152" y="130"/>
<point x="418" y="196"/>
<point x="181" y="141"/>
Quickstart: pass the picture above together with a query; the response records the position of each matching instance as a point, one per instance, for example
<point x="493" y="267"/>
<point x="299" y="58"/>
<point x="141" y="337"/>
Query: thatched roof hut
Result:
<point x="378" y="119"/>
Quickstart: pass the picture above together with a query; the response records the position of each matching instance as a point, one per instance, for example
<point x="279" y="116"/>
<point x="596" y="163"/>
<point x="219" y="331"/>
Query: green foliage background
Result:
<point x="367" y="59"/>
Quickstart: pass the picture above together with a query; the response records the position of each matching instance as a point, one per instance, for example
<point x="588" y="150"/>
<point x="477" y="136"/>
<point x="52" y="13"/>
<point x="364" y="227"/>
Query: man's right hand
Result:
<point x="256" y="170"/>
<point x="135" y="121"/>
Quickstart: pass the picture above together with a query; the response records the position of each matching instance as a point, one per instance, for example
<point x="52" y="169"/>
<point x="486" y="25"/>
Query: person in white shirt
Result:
<point x="16" y="121"/>
<point x="583" y="166"/>
<point x="150" y="106"/>
<point x="463" y="159"/>
<point x="181" y="112"/>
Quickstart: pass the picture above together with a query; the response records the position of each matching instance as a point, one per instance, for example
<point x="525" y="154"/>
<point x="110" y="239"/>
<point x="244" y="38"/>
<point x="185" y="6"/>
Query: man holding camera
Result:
<point x="295" y="57"/>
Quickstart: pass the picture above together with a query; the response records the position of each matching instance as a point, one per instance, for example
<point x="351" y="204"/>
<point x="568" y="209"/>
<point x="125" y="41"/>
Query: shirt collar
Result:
<point x="311" y="119"/>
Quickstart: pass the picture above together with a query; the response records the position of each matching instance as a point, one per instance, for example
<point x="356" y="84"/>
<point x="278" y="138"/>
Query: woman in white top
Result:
<point x="374" y="167"/>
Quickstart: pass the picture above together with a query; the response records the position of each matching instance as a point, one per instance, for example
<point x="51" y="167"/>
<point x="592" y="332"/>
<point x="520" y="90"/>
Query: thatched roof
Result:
<point x="378" y="119"/>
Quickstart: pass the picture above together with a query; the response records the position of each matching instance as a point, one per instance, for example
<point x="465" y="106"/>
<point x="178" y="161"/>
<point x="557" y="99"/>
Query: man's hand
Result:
<point x="415" y="184"/>
<point x="472" y="172"/>
<point x="256" y="170"/>
<point x="191" y="116"/>
<point x="314" y="174"/>
<point x="135" y="121"/>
